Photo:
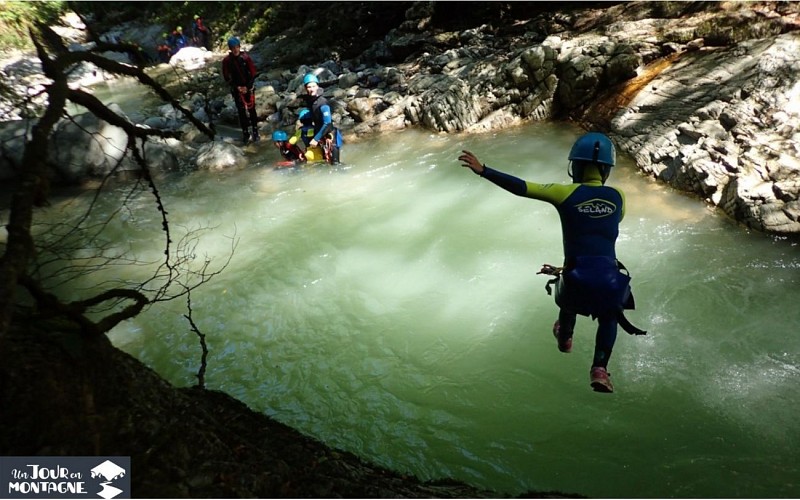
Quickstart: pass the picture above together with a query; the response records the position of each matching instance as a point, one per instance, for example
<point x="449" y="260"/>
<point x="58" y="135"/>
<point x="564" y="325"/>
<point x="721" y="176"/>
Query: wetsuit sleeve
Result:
<point x="327" y="122"/>
<point x="552" y="193"/>
<point x="508" y="182"/>
<point x="226" y="74"/>
<point x="622" y="208"/>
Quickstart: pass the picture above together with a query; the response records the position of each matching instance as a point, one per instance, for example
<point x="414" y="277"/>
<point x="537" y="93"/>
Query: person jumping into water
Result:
<point x="590" y="283"/>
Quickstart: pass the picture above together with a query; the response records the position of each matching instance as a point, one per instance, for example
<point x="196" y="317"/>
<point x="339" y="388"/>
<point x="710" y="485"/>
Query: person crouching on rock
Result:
<point x="291" y="152"/>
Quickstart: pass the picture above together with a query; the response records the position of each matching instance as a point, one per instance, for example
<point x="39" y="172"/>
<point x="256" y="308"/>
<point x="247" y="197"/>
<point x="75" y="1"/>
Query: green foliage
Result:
<point x="17" y="17"/>
<point x="248" y="20"/>
<point x="343" y="27"/>
<point x="347" y="28"/>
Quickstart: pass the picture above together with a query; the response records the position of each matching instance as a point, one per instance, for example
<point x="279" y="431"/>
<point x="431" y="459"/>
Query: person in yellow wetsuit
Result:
<point x="304" y="133"/>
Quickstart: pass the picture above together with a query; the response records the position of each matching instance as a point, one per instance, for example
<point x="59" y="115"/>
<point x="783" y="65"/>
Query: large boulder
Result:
<point x="220" y="155"/>
<point x="724" y="124"/>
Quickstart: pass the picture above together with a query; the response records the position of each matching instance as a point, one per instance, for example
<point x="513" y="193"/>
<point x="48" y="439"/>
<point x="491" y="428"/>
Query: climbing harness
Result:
<point x="628" y="302"/>
<point x="248" y="99"/>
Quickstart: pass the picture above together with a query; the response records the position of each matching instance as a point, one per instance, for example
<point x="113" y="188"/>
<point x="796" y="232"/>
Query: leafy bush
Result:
<point x="17" y="17"/>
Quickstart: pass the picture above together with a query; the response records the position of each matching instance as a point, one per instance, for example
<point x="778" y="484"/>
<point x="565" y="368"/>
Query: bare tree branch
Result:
<point x="144" y="78"/>
<point x="59" y="259"/>
<point x="201" y="372"/>
<point x="30" y="192"/>
<point x="96" y="107"/>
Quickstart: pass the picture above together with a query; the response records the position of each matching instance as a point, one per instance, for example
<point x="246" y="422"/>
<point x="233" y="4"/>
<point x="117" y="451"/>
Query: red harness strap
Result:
<point x="248" y="99"/>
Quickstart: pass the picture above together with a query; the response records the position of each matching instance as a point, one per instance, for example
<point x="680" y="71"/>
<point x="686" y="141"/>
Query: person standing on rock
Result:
<point x="164" y="47"/>
<point x="179" y="40"/>
<point x="591" y="281"/>
<point x="326" y="135"/>
<point x="201" y="34"/>
<point x="239" y="72"/>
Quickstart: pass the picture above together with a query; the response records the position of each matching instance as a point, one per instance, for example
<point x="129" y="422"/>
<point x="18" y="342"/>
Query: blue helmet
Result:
<point x="310" y="77"/>
<point x="279" y="136"/>
<point x="233" y="42"/>
<point x="594" y="147"/>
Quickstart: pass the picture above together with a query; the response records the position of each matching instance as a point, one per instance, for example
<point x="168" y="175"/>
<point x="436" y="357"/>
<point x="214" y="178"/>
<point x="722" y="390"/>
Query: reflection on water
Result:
<point x="390" y="306"/>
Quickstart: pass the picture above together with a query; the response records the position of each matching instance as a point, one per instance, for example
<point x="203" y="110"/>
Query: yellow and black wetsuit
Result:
<point x="304" y="135"/>
<point x="590" y="212"/>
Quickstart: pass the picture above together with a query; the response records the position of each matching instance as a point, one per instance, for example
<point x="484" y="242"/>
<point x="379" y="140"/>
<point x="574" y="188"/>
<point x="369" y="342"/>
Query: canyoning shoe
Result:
<point x="600" y="380"/>
<point x="564" y="345"/>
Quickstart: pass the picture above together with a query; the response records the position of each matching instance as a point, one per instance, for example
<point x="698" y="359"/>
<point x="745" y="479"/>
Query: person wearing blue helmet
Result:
<point x="291" y="153"/>
<point x="326" y="135"/>
<point x="591" y="281"/>
<point x="239" y="72"/>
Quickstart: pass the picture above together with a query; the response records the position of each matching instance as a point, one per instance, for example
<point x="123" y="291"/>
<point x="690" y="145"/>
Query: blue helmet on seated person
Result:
<point x="233" y="42"/>
<point x="279" y="136"/>
<point x="592" y="150"/>
<point x="309" y="78"/>
<point x="304" y="115"/>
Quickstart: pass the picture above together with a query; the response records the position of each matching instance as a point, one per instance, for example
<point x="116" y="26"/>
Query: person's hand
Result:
<point x="242" y="90"/>
<point x="469" y="160"/>
<point x="313" y="143"/>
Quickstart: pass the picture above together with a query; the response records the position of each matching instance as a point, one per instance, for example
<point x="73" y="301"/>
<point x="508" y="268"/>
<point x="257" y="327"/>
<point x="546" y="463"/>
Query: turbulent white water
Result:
<point x="390" y="307"/>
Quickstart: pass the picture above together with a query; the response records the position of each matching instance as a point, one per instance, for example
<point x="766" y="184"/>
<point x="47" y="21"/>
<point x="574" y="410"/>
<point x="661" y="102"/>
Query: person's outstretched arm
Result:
<point x="508" y="182"/>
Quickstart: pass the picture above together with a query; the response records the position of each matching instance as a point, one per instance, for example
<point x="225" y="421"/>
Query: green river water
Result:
<point x="390" y="307"/>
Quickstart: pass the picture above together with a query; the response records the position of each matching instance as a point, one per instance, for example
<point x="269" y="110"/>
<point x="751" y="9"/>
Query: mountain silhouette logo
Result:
<point x="109" y="471"/>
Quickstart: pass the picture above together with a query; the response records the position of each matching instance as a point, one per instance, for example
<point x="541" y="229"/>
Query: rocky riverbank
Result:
<point x="705" y="97"/>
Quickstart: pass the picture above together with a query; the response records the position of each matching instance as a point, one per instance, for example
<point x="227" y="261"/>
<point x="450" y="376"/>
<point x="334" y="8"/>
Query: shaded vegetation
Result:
<point x="345" y="27"/>
<point x="16" y="18"/>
